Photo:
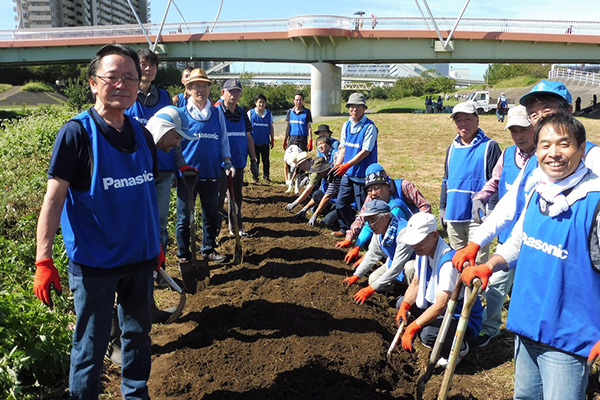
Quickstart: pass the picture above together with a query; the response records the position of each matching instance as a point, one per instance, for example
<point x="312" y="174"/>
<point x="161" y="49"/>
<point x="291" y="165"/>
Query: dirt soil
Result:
<point x="282" y="326"/>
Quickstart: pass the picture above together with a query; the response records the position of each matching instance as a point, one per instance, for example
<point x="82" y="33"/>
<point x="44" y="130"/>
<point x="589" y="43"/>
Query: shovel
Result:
<point x="193" y="271"/>
<point x="437" y="347"/>
<point x="471" y="294"/>
<point x="170" y="314"/>
<point x="238" y="256"/>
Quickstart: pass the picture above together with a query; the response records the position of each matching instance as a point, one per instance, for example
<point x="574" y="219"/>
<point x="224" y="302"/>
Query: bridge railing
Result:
<point x="314" y="21"/>
<point x="579" y="77"/>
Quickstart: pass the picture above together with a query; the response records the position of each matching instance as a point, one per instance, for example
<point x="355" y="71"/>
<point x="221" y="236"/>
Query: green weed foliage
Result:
<point x="37" y="87"/>
<point x="34" y="340"/>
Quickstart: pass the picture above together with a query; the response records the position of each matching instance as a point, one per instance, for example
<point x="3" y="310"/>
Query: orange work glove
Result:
<point x="357" y="263"/>
<point x="467" y="253"/>
<point x="340" y="170"/>
<point x="309" y="145"/>
<point x="351" y="280"/>
<point x="352" y="254"/>
<point x="403" y="312"/>
<point x="161" y="258"/>
<point x="409" y="336"/>
<point x="46" y="274"/>
<point x="363" y="294"/>
<point x="481" y="271"/>
<point x="272" y="142"/>
<point x="343" y="243"/>
<point x="594" y="353"/>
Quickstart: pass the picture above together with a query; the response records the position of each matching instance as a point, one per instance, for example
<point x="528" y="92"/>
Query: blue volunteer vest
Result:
<point x="261" y="127"/>
<point x="503" y="101"/>
<point x="556" y="295"/>
<point x="238" y="142"/>
<point x="353" y="146"/>
<point x="115" y="221"/>
<point x="390" y="249"/>
<point x="397" y="207"/>
<point x="476" y="316"/>
<point x="298" y="123"/>
<point x="181" y="100"/>
<point x="166" y="161"/>
<point x="589" y="146"/>
<point x="335" y="144"/>
<point x="324" y="182"/>
<point x="466" y="176"/>
<point x="509" y="173"/>
<point x="204" y="154"/>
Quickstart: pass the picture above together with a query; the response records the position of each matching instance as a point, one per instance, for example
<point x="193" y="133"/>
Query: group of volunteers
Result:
<point x="109" y="188"/>
<point x="540" y="197"/>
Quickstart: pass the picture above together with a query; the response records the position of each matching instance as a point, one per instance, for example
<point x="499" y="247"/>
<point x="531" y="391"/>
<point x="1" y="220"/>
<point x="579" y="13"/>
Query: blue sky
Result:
<point x="204" y="10"/>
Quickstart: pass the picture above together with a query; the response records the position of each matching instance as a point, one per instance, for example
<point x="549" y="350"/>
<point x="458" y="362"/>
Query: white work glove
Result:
<point x="478" y="206"/>
<point x="229" y="169"/>
<point x="313" y="220"/>
<point x="291" y="206"/>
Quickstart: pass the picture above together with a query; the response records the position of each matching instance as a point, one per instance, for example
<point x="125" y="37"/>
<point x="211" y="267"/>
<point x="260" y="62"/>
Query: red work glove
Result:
<point x="409" y="336"/>
<point x="594" y="353"/>
<point x="309" y="145"/>
<point x="161" y="258"/>
<point x="363" y="294"/>
<point x="467" y="253"/>
<point x="272" y="142"/>
<point x="284" y="144"/>
<point x="343" y="243"/>
<point x="46" y="274"/>
<point x="351" y="280"/>
<point x="357" y="263"/>
<point x="340" y="169"/>
<point x="402" y="312"/>
<point x="481" y="271"/>
<point x="352" y="254"/>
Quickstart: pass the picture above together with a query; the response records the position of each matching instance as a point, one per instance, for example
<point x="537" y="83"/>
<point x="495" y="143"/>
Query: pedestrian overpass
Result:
<point x="323" y="41"/>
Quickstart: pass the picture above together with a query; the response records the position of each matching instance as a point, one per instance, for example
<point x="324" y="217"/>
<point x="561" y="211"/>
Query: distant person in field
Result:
<point x="501" y="107"/>
<point x="263" y="134"/>
<point x="470" y="160"/>
<point x="298" y="130"/>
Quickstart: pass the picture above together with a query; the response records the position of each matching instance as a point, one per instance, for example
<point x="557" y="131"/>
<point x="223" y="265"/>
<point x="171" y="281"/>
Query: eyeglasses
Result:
<point x="114" y="80"/>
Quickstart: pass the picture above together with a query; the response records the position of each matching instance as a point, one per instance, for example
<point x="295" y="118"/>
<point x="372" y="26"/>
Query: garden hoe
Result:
<point x="170" y="314"/>
<point x="437" y="347"/>
<point x="397" y="337"/>
<point x="471" y="294"/>
<point x="238" y="256"/>
<point x="193" y="271"/>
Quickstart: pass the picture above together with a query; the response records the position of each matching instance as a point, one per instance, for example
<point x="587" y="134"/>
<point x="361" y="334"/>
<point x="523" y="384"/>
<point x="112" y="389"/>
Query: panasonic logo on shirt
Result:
<point x="294" y="121"/>
<point x="355" y="145"/>
<point x="118" y="183"/>
<point x="260" y="124"/>
<point x="213" y="136"/>
<point x="236" y="133"/>
<point x="537" y="244"/>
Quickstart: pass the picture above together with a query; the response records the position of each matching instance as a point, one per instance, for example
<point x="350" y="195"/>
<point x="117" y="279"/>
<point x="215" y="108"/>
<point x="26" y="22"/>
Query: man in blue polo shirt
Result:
<point x="357" y="150"/>
<point x="298" y="130"/>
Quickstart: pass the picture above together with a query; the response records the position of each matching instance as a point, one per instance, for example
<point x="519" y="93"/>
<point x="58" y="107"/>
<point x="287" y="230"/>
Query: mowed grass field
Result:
<point x="413" y="146"/>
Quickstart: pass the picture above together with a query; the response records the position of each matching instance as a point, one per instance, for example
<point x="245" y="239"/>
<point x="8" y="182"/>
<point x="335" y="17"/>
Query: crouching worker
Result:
<point x="430" y="290"/>
<point x="555" y="298"/>
<point x="385" y="243"/>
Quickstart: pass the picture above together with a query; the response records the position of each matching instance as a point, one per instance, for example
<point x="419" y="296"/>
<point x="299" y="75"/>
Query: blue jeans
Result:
<point x="544" y="372"/>
<point x="163" y="195"/>
<point x="208" y="191"/>
<point x="94" y="299"/>
<point x="350" y="191"/>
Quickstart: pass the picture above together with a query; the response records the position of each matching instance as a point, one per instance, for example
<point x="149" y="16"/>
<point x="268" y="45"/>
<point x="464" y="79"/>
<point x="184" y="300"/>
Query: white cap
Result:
<point x="517" y="116"/>
<point x="465" y="107"/>
<point x="167" y="118"/>
<point x="418" y="227"/>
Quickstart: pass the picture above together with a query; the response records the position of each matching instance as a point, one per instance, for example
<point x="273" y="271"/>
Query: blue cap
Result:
<point x="374" y="168"/>
<point x="547" y="87"/>
<point x="375" y="207"/>
<point x="375" y="174"/>
<point x="171" y="117"/>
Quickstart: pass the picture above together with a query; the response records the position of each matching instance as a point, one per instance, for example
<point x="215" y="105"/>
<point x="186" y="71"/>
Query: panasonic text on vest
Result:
<point x="212" y="136"/>
<point x="236" y="133"/>
<point x="553" y="250"/>
<point x="355" y="145"/>
<point x="118" y="183"/>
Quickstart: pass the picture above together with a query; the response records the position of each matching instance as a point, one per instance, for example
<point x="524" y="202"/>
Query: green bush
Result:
<point x="37" y="87"/>
<point x="4" y="87"/>
<point x="34" y="341"/>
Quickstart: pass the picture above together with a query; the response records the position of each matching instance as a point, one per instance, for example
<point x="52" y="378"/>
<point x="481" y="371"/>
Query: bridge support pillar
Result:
<point x="325" y="89"/>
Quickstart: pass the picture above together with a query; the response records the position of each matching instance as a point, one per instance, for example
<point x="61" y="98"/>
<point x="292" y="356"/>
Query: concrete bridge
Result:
<point x="323" y="41"/>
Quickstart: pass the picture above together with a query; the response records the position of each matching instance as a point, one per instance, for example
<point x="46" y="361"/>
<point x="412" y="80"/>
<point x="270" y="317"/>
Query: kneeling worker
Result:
<point x="430" y="290"/>
<point x="385" y="243"/>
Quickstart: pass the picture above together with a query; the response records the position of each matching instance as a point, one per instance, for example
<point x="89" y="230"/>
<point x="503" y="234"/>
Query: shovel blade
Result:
<point x="202" y="273"/>
<point x="188" y="276"/>
<point x="177" y="312"/>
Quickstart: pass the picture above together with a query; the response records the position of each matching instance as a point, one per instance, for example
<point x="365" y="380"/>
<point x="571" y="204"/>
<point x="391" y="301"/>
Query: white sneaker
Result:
<point x="443" y="362"/>
<point x="289" y="189"/>
<point x="243" y="233"/>
<point x="296" y="190"/>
